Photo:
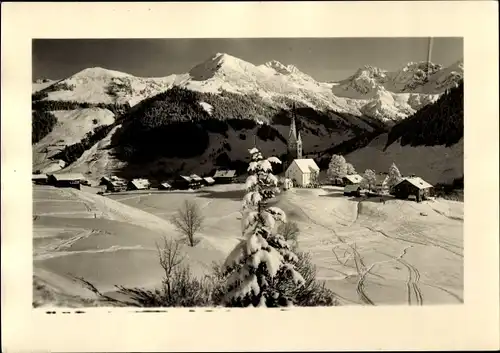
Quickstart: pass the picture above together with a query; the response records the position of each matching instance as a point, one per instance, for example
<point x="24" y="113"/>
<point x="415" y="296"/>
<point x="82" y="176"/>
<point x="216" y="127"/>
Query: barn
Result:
<point x="113" y="183"/>
<point x="196" y="181"/>
<point x="412" y="186"/>
<point x="224" y="176"/>
<point x="138" y="184"/>
<point x="164" y="186"/>
<point x="352" y="179"/>
<point x="352" y="190"/>
<point x="303" y="172"/>
<point x="207" y="181"/>
<point x="39" y="179"/>
<point x="182" y="182"/>
<point x="66" y="180"/>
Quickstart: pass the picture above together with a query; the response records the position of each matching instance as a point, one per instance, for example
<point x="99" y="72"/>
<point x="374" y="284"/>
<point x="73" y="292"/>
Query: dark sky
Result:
<point x="323" y="58"/>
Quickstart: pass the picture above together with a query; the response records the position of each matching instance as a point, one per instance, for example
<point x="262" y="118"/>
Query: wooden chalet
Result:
<point x="182" y="182"/>
<point x="207" y="181"/>
<point x="196" y="181"/>
<point x="413" y="186"/>
<point x="224" y="176"/>
<point x="113" y="183"/>
<point x="352" y="179"/>
<point x="39" y="179"/>
<point x="138" y="184"/>
<point x="66" y="180"/>
<point x="352" y="190"/>
<point x="164" y="186"/>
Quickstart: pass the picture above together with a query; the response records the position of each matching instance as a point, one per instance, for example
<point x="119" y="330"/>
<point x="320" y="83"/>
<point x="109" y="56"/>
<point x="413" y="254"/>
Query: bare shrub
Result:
<point x="188" y="220"/>
<point x="290" y="231"/>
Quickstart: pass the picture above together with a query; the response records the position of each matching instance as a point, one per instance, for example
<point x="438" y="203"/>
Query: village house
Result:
<point x="182" y="182"/>
<point x="39" y="179"/>
<point x="207" y="181"/>
<point x="66" y="180"/>
<point x="303" y="172"/>
<point x="138" y="184"/>
<point x="415" y="186"/>
<point x="224" y="176"/>
<point x="352" y="179"/>
<point x="352" y="190"/>
<point x="196" y="181"/>
<point x="113" y="183"/>
<point x="164" y="186"/>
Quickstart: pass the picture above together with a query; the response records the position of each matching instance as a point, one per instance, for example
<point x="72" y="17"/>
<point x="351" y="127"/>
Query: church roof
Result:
<point x="306" y="165"/>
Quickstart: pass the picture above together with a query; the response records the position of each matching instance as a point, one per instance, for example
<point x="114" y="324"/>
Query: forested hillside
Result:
<point x="177" y="123"/>
<point x="439" y="123"/>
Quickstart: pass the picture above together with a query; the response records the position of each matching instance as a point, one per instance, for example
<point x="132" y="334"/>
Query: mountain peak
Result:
<point x="218" y="63"/>
<point x="99" y="73"/>
<point x="281" y="68"/>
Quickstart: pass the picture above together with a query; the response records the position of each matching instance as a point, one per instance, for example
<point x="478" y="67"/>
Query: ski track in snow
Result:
<point x="350" y="234"/>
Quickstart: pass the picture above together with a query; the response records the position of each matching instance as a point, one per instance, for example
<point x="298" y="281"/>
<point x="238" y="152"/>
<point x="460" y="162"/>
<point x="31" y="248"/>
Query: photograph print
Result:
<point x="265" y="172"/>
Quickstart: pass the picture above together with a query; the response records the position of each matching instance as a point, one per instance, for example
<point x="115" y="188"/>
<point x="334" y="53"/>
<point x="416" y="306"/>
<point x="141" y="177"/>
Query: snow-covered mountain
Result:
<point x="372" y="92"/>
<point x="362" y="101"/>
<point x="395" y="95"/>
<point x="99" y="85"/>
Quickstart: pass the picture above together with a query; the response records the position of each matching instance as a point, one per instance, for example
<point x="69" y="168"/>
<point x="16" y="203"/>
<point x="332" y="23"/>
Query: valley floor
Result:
<point x="367" y="252"/>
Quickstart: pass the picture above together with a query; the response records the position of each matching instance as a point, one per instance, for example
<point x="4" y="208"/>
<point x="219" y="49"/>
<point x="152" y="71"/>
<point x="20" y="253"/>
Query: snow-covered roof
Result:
<point x="39" y="176"/>
<point x="354" y="178"/>
<point x="306" y="165"/>
<point x="418" y="182"/>
<point x="68" y="176"/>
<point x="140" y="183"/>
<point x="186" y="178"/>
<point x="225" y="174"/>
<point x="166" y="185"/>
<point x="195" y="177"/>
<point x="351" y="188"/>
<point x="209" y="180"/>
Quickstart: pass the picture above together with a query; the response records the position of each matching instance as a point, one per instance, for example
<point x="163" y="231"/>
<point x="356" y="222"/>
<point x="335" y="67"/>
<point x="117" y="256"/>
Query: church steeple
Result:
<point x="292" y="135"/>
<point x="294" y="145"/>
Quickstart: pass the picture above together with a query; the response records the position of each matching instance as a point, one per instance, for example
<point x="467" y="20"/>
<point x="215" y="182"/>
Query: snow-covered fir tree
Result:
<point x="263" y="260"/>
<point x="337" y="167"/>
<point x="394" y="176"/>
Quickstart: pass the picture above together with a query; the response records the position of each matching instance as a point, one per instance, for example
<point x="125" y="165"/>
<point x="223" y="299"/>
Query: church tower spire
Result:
<point x="294" y="145"/>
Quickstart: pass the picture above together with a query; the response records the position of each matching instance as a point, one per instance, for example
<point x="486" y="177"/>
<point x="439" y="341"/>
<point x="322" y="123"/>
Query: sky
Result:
<point x="325" y="59"/>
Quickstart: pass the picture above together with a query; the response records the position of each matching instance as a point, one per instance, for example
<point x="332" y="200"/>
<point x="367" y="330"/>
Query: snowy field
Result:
<point x="368" y="252"/>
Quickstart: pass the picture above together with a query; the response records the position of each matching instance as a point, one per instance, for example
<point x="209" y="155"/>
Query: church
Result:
<point x="301" y="171"/>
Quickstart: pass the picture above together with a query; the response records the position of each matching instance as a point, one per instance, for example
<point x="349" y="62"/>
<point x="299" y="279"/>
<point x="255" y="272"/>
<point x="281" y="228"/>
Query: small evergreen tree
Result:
<point x="337" y="167"/>
<point x="263" y="260"/>
<point x="394" y="176"/>
<point x="369" y="179"/>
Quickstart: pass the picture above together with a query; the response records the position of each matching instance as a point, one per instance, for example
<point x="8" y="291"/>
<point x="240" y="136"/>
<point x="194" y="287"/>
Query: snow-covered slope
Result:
<point x="71" y="127"/>
<point x="435" y="164"/>
<point x="41" y="84"/>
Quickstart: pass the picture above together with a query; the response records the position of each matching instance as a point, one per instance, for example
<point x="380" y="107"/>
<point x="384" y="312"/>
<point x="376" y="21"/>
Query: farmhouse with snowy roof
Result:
<point x="139" y="184"/>
<point x="412" y="186"/>
<point x="207" y="181"/>
<point x="352" y="179"/>
<point x="66" y="180"/>
<point x="303" y="172"/>
<point x="224" y="176"/>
